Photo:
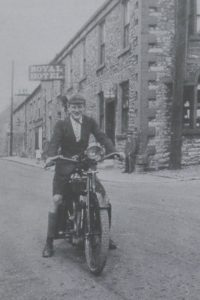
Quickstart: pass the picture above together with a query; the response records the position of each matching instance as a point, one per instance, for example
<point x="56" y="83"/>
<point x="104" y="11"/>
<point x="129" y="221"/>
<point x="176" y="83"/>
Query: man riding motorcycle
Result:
<point x="71" y="138"/>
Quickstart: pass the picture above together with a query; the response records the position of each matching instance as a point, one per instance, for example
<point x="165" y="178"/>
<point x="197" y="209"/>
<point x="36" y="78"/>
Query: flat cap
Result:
<point x="77" y="99"/>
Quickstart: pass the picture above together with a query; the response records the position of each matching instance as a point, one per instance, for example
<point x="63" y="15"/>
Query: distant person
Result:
<point x="38" y="155"/>
<point x="131" y="150"/>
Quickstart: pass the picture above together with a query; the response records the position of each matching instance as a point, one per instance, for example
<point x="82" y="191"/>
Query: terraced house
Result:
<point x="138" y="64"/>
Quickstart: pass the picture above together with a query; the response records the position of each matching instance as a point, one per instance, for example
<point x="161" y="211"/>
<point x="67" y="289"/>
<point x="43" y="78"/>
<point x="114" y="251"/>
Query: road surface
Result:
<point x="156" y="224"/>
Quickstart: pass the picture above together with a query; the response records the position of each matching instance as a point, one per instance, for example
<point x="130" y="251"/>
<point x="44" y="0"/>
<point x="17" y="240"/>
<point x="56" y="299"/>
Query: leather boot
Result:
<point x="52" y="223"/>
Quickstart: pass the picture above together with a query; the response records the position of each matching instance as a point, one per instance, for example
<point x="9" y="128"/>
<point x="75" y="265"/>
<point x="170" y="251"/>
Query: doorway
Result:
<point x="110" y="119"/>
<point x="38" y="138"/>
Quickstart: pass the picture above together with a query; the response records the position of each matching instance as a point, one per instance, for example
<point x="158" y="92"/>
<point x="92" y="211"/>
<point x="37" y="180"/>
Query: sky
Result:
<point x="32" y="32"/>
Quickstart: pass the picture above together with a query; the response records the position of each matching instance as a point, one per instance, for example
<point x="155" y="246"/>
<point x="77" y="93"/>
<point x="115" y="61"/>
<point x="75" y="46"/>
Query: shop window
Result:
<point x="194" y="18"/>
<point x="188" y="98"/>
<point x="102" y="43"/>
<point x="191" y="106"/>
<point x="125" y="106"/>
<point x="126" y="22"/>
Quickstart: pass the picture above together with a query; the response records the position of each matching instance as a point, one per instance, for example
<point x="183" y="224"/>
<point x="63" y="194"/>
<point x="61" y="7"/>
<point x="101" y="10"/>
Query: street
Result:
<point x="156" y="224"/>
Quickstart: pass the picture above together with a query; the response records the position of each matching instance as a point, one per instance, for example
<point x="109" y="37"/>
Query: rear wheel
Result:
<point x="97" y="242"/>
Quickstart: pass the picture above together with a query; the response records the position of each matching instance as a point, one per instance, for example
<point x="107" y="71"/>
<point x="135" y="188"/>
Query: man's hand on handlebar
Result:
<point x="75" y="157"/>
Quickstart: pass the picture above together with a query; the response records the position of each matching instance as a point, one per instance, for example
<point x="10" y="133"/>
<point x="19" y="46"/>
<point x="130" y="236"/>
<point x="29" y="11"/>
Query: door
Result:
<point x="38" y="138"/>
<point x="110" y="120"/>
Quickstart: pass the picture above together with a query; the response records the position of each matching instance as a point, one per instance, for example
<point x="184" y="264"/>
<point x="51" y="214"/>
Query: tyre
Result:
<point x="97" y="244"/>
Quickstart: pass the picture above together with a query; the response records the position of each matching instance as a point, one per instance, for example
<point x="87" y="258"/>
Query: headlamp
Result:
<point x="95" y="152"/>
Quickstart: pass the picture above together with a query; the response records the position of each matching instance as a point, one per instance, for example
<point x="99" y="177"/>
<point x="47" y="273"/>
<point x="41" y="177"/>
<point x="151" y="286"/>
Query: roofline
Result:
<point x="102" y="7"/>
<point x="71" y="41"/>
<point x="27" y="99"/>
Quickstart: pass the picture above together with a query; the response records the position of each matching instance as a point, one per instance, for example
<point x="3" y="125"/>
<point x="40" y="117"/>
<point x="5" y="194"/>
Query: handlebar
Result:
<point x="61" y="157"/>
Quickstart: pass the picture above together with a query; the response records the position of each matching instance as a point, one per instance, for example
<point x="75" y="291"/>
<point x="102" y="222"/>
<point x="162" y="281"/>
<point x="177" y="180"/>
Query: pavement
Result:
<point x="111" y="171"/>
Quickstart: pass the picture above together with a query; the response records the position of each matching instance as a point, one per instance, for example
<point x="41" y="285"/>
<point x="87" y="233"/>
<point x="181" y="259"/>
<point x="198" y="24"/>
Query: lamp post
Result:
<point x="11" y="110"/>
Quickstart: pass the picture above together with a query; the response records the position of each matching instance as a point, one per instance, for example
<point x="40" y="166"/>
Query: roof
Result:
<point x="28" y="98"/>
<point x="73" y="39"/>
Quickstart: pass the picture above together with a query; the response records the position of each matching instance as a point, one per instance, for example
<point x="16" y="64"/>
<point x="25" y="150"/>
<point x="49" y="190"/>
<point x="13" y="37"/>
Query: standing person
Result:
<point x="131" y="149"/>
<point x="71" y="136"/>
<point x="38" y="155"/>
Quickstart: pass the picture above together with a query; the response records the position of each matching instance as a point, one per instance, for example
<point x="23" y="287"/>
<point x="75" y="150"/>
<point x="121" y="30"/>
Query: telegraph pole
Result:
<point x="11" y="109"/>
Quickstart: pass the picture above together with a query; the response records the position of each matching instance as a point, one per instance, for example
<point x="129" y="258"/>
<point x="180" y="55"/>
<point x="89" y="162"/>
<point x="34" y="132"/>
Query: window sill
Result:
<point x="189" y="131"/>
<point x="194" y="37"/>
<point x="124" y="51"/>
<point x="100" y="67"/>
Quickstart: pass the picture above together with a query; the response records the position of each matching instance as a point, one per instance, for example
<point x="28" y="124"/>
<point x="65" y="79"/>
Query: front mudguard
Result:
<point x="103" y="203"/>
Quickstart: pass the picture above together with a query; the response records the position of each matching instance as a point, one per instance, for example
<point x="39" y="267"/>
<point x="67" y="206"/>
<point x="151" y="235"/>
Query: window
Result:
<point x="31" y="111"/>
<point x="82" y="60"/>
<point x="194" y="20"/>
<point x="102" y="43"/>
<point x="69" y="71"/>
<point x="36" y="139"/>
<point x="101" y="110"/>
<point x="50" y="127"/>
<point x="126" y="22"/>
<point x="125" y="105"/>
<point x="38" y="113"/>
<point x="198" y="16"/>
<point x="191" y="106"/>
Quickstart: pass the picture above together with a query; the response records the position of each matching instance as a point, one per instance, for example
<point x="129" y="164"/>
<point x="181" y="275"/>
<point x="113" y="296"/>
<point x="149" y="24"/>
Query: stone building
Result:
<point x="138" y="64"/>
<point x="35" y="118"/>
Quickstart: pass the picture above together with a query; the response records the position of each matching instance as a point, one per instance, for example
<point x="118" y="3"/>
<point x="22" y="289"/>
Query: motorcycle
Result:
<point x="85" y="221"/>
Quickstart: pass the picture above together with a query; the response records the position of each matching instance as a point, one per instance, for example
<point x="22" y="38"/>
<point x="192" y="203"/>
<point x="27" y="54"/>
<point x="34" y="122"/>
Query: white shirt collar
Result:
<point x="80" y="120"/>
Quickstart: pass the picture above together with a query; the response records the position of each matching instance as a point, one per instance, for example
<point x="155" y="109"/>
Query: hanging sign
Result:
<point x="46" y="72"/>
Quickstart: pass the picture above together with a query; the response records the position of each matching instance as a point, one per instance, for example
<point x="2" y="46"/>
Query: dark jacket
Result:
<point x="131" y="147"/>
<point x="64" y="139"/>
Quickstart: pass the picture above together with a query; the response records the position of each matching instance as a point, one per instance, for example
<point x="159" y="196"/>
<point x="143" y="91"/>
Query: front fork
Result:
<point x="91" y="189"/>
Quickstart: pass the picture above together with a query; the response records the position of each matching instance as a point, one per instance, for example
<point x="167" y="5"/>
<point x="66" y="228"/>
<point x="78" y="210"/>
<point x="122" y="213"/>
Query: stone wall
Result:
<point x="119" y="66"/>
<point x="160" y="68"/>
<point x="190" y="150"/>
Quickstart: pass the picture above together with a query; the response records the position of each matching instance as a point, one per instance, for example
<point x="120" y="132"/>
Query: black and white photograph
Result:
<point x="100" y="149"/>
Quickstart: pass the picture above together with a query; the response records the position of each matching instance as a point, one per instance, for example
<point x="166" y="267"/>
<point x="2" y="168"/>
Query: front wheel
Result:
<point x="97" y="243"/>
